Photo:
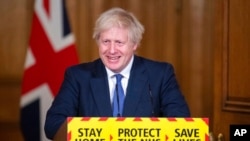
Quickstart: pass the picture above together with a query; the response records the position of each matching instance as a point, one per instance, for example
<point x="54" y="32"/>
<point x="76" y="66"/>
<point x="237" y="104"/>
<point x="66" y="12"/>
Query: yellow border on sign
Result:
<point x="137" y="129"/>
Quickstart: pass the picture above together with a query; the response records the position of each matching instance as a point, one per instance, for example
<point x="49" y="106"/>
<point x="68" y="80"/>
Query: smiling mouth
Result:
<point x="115" y="58"/>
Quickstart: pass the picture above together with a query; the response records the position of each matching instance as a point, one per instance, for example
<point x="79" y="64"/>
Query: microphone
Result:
<point x="151" y="99"/>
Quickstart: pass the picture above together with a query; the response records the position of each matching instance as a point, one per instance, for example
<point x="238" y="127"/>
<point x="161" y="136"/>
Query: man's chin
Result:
<point x="114" y="69"/>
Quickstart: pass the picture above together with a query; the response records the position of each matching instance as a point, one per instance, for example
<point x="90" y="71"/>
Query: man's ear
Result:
<point x="135" y="46"/>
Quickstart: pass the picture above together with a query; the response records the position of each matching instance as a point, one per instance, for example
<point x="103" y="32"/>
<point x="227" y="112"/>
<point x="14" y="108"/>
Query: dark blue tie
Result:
<point x="118" y="98"/>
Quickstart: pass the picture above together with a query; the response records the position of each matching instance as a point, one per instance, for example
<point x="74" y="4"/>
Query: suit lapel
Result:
<point x="100" y="89"/>
<point x="136" y="87"/>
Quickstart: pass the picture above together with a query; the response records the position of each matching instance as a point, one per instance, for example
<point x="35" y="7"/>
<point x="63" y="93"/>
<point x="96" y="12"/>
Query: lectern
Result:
<point x="133" y="129"/>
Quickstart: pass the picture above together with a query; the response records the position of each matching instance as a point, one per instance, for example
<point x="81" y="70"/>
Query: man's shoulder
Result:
<point x="155" y="69"/>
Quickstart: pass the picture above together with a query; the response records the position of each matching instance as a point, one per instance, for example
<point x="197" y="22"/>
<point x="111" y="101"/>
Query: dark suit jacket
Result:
<point x="152" y="91"/>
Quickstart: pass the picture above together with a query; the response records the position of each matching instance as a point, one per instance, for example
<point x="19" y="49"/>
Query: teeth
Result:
<point x="113" y="58"/>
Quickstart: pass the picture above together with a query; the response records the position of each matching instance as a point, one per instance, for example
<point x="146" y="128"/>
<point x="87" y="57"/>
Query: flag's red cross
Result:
<point x="50" y="65"/>
<point x="46" y="6"/>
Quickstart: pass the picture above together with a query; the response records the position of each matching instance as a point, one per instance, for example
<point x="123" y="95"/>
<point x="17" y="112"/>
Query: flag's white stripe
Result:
<point x="30" y="59"/>
<point x="44" y="94"/>
<point x="53" y="25"/>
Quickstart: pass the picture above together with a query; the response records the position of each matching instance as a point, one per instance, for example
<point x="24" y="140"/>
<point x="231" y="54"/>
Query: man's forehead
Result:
<point x="115" y="34"/>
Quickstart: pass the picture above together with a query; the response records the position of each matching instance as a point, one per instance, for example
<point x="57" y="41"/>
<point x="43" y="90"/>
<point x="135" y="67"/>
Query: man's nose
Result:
<point x="112" y="47"/>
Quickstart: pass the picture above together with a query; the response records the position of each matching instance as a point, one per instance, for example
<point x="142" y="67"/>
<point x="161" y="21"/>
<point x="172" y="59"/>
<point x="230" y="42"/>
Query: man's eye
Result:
<point x="119" y="43"/>
<point x="105" y="41"/>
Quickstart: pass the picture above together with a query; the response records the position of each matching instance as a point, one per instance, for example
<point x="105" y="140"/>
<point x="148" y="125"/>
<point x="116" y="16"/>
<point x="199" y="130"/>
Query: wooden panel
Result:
<point x="231" y="71"/>
<point x="236" y="53"/>
<point x="14" y="27"/>
<point x="195" y="53"/>
<point x="10" y="131"/>
<point x="10" y="110"/>
<point x="9" y="95"/>
<point x="14" y="31"/>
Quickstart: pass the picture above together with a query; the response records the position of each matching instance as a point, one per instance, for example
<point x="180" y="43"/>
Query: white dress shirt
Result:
<point x="112" y="80"/>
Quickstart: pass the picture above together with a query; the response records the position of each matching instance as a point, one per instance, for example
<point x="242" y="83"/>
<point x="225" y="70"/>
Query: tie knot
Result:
<point x="118" y="77"/>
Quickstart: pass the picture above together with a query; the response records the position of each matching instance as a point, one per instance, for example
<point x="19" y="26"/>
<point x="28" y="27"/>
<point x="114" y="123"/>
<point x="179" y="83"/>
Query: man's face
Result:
<point x="115" y="49"/>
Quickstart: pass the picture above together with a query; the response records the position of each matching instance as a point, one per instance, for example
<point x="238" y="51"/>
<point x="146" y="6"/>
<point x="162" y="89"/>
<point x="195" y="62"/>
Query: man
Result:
<point x="145" y="88"/>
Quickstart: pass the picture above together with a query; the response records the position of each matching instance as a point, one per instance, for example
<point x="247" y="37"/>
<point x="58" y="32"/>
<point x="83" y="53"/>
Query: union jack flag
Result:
<point x="51" y="49"/>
